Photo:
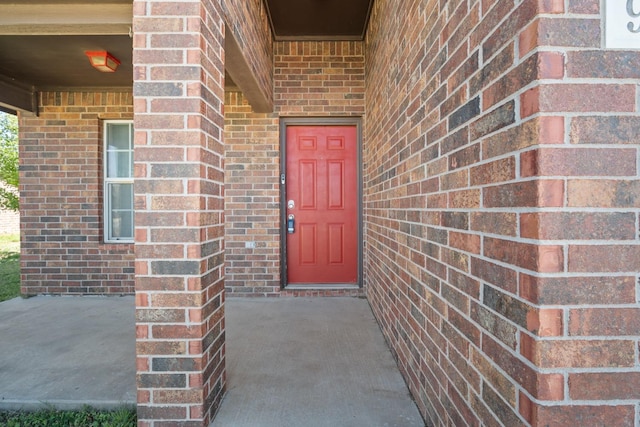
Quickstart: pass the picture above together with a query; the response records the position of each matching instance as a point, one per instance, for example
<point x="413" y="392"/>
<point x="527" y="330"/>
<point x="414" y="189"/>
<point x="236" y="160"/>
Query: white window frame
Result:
<point x="108" y="182"/>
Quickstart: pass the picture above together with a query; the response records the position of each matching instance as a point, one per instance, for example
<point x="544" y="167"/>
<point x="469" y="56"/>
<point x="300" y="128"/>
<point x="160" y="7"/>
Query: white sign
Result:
<point x="622" y="24"/>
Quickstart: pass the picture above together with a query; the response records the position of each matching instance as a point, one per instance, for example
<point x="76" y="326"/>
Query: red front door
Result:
<point x="322" y="196"/>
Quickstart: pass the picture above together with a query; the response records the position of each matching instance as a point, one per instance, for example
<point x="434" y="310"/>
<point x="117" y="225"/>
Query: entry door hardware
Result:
<point x="291" y="224"/>
<point x="282" y="179"/>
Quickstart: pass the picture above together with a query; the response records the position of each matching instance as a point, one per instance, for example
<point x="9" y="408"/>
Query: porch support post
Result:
<point x="178" y="64"/>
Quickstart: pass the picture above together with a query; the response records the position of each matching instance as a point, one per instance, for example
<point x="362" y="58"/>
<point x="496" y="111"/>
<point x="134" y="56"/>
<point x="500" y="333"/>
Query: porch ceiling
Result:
<point x="319" y="19"/>
<point x="42" y="42"/>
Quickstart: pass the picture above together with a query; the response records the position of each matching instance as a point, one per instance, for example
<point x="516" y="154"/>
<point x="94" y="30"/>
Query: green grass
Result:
<point x="87" y="417"/>
<point x="9" y="266"/>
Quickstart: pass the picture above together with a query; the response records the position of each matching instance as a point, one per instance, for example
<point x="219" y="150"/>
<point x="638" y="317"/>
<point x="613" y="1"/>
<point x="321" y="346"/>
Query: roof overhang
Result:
<point x="319" y="19"/>
<point x="43" y="42"/>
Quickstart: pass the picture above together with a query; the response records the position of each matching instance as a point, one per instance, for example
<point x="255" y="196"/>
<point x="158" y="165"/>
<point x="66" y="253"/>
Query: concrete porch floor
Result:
<point x="290" y="361"/>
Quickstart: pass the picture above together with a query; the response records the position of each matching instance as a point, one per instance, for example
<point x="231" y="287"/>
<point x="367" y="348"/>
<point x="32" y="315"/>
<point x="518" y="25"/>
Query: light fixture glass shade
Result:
<point x="103" y="61"/>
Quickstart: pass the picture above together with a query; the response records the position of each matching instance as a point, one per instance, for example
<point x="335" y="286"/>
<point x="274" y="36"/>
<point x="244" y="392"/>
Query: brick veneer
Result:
<point x="501" y="209"/>
<point x="319" y="78"/>
<point x="500" y="188"/>
<point x="62" y="249"/>
<point x="248" y="23"/>
<point x="252" y="210"/>
<point x="178" y="63"/>
<point x="310" y="79"/>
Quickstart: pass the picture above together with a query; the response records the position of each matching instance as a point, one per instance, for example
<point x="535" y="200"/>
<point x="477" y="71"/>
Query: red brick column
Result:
<point x="586" y="340"/>
<point x="178" y="103"/>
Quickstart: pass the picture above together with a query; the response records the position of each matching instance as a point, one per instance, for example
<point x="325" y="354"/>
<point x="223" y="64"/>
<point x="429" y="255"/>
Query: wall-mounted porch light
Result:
<point x="103" y="61"/>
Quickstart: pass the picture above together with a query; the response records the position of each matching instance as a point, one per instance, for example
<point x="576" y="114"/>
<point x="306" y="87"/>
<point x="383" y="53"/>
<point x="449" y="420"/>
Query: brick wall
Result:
<point x="61" y="197"/>
<point x="501" y="210"/>
<point x="178" y="59"/>
<point x="252" y="210"/>
<point x="319" y="78"/>
<point x="248" y="23"/>
<point x="310" y="79"/>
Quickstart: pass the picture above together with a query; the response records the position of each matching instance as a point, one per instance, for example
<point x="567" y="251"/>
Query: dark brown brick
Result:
<point x="533" y="257"/>
<point x="510" y="83"/>
<point x="497" y="119"/>
<point x="547" y="193"/>
<point x="505" y="413"/>
<point x="465" y="157"/>
<point x="498" y="65"/>
<point x="493" y="172"/>
<point x="502" y="329"/>
<point x="504" y="223"/>
<point x="604" y="130"/>
<point x="465" y="113"/>
<point x="467" y="328"/>
<point x="500" y="277"/>
<point x="522" y="373"/>
<point x="569" y="32"/>
<point x="585" y="98"/>
<point x="509" y="307"/>
<point x="584" y="354"/>
<point x="511" y="139"/>
<point x="578" y="226"/>
<point x="604" y="258"/>
<point x="578" y="290"/>
<point x="162" y="380"/>
<point x="604" y="386"/>
<point x="482" y="411"/>
<point x="175" y="364"/>
<point x="578" y="162"/>
<point x="584" y="7"/>
<point x="585" y="415"/>
<point x="509" y="28"/>
<point x="160" y="347"/>
<point x="162" y="412"/>
<point x="495" y="377"/>
<point x="612" y="321"/>
<point x="603" y="64"/>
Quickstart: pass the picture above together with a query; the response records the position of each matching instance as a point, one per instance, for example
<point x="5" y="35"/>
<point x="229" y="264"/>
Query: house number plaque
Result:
<point x="622" y="24"/>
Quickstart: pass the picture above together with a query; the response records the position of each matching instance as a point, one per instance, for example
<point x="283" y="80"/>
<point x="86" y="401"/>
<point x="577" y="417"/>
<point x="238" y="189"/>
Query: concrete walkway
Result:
<point x="310" y="362"/>
<point x="67" y="352"/>
<point x="290" y="361"/>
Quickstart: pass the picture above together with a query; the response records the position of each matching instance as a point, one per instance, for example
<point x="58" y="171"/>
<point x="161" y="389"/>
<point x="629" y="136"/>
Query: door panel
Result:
<point x="322" y="175"/>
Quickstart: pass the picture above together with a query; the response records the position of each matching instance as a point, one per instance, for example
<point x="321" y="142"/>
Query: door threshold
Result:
<point x="321" y="286"/>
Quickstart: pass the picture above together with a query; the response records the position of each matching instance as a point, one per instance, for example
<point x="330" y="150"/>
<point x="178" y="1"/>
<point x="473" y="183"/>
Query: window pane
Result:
<point x="119" y="164"/>
<point x="121" y="204"/>
<point x="118" y="136"/>
<point x="122" y="225"/>
<point x="121" y="196"/>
